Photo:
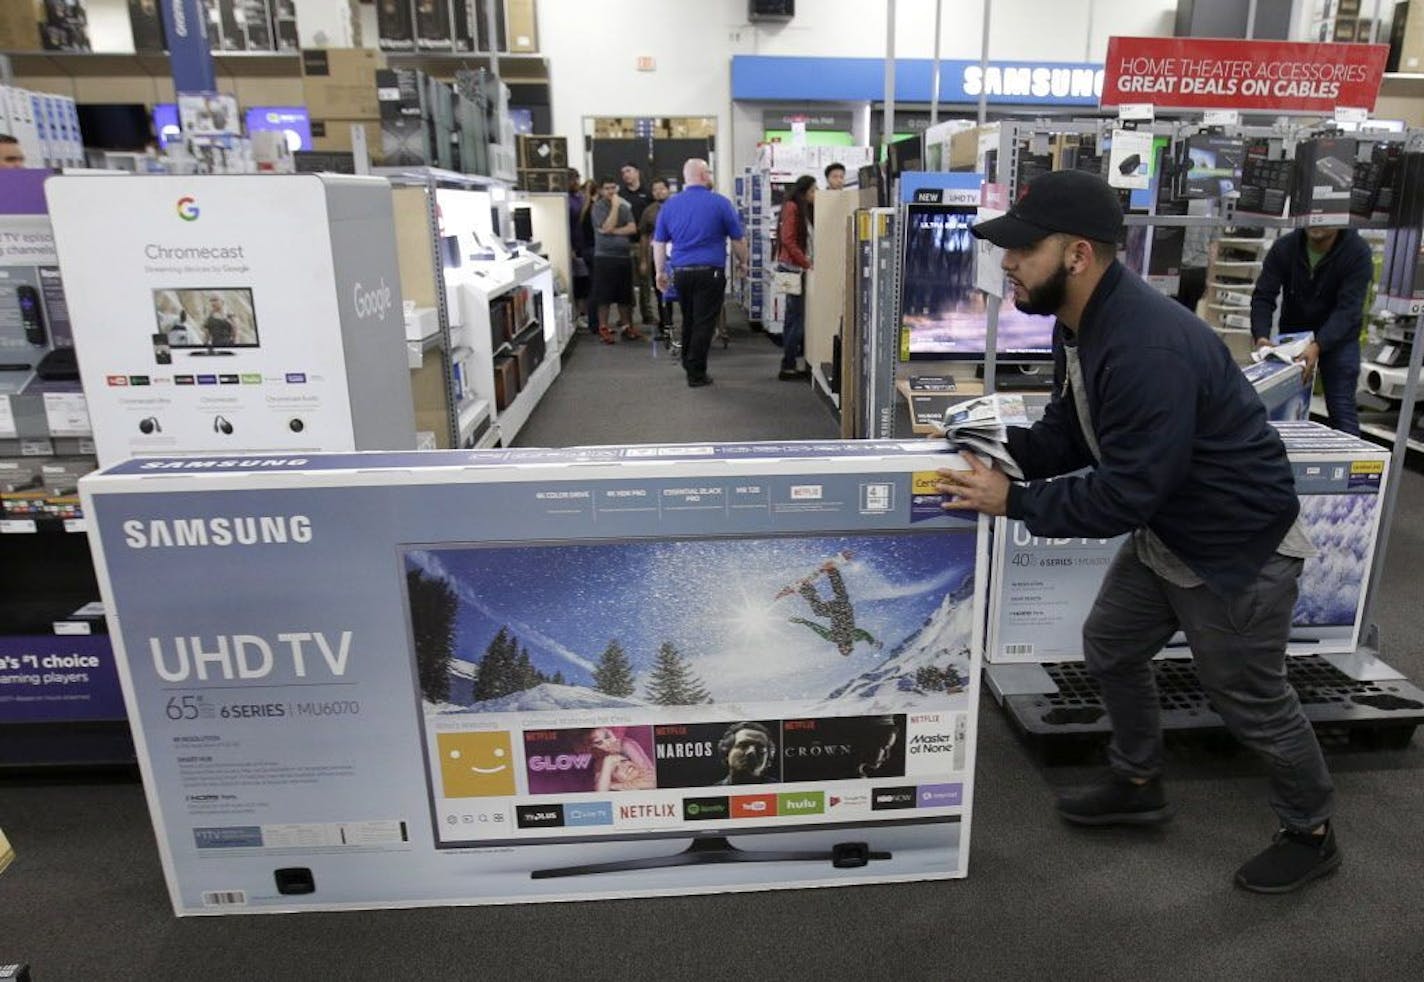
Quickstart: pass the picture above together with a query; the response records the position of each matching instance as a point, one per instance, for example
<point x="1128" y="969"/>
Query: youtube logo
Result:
<point x="754" y="806"/>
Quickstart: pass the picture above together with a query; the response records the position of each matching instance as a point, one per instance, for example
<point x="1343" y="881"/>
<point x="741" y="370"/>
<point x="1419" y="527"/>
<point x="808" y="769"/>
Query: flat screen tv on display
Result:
<point x="166" y="125"/>
<point x="205" y="320"/>
<point x="294" y="122"/>
<point x="863" y="644"/>
<point x="114" y="126"/>
<point x="943" y="316"/>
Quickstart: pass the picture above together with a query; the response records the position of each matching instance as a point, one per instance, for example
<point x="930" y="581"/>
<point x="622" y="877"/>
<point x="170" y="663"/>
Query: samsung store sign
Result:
<point x="809" y="80"/>
<point x="1032" y="82"/>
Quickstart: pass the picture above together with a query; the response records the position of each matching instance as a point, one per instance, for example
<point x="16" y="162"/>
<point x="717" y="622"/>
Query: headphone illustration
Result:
<point x="149" y="424"/>
<point x="221" y="425"/>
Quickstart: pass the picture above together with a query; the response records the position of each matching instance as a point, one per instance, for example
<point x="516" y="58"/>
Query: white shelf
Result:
<point x="496" y="278"/>
<point x="1399" y="305"/>
<point x="417" y="350"/>
<point x="470" y="416"/>
<point x="511" y="419"/>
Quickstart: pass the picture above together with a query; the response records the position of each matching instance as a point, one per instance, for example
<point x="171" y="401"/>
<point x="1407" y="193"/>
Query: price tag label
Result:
<point x="67" y="414"/>
<point x="1136" y="112"/>
<point x="18" y="526"/>
<point x="1221" y="117"/>
<point x="7" y="420"/>
<point x="36" y="448"/>
<point x="75" y="525"/>
<point x="1350" y="114"/>
<point x="72" y="627"/>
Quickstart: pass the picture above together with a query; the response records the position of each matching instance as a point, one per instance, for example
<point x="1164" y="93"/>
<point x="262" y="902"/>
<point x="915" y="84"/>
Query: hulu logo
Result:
<point x="801" y="803"/>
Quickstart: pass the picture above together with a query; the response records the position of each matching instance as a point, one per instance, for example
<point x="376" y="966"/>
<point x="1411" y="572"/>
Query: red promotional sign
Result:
<point x="1270" y="76"/>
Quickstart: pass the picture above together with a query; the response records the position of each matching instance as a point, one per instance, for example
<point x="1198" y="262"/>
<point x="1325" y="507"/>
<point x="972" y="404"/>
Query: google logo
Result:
<point x="188" y="208"/>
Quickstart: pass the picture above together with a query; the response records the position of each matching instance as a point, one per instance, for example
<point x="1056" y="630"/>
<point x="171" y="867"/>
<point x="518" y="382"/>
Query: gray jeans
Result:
<point x="1238" y="648"/>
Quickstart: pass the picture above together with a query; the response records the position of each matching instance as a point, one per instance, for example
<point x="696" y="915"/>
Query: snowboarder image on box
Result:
<point x="841" y="631"/>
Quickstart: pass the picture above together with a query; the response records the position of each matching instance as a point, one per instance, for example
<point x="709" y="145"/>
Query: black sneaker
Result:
<point x="1116" y="801"/>
<point x="696" y="382"/>
<point x="1291" y="861"/>
<point x="792" y="375"/>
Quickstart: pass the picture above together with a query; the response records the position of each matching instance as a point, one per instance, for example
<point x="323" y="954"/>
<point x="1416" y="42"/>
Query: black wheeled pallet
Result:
<point x="1378" y="712"/>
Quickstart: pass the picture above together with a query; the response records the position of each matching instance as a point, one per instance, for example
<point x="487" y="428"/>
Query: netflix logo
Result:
<point x="646" y="812"/>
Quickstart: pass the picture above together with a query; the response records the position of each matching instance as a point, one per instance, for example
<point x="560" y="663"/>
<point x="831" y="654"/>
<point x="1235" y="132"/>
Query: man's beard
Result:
<point x="1047" y="297"/>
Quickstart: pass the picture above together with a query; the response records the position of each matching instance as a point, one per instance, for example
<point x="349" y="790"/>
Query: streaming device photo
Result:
<point x="32" y="315"/>
<point x="149" y="424"/>
<point x="296" y="425"/>
<point x="221" y="425"/>
<point x="294" y="880"/>
<point x="1130" y="163"/>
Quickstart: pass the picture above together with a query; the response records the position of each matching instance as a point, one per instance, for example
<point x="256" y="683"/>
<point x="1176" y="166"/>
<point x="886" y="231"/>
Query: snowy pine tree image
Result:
<point x="614" y="674"/>
<point x="499" y="668"/>
<point x="810" y="618"/>
<point x="672" y="681"/>
<point x="433" y="606"/>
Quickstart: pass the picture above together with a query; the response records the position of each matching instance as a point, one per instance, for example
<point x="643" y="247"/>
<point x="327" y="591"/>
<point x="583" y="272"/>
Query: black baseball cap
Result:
<point x="1070" y="201"/>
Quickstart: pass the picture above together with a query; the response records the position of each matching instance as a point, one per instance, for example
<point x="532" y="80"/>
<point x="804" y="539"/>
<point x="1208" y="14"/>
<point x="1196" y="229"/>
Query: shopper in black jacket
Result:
<point x="1178" y="452"/>
<point x="1326" y="273"/>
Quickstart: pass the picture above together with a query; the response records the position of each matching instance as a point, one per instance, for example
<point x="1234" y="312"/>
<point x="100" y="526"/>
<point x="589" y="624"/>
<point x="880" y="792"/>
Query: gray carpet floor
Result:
<point x="86" y="899"/>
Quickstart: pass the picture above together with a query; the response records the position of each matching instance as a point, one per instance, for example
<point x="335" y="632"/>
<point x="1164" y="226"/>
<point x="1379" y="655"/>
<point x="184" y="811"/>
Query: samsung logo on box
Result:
<point x="207" y="465"/>
<point x="161" y="533"/>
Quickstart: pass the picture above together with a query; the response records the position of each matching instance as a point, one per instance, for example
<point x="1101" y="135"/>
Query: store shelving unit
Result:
<point x="475" y="330"/>
<point x="453" y="368"/>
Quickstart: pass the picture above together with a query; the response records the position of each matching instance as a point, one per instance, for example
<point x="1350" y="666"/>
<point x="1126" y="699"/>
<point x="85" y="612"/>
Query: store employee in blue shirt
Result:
<point x="696" y="224"/>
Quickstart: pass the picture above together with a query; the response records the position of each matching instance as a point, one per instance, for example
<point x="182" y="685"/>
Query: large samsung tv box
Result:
<point x="1044" y="588"/>
<point x="383" y="680"/>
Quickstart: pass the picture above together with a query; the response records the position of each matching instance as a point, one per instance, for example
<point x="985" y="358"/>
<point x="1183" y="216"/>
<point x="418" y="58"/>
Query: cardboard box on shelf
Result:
<point x="341" y="82"/>
<point x="964" y="150"/>
<point x="1411" y="49"/>
<point x="543" y="152"/>
<point x="522" y="28"/>
<point x="147" y="22"/>
<point x="613" y="127"/>
<point x="334" y="135"/>
<point x="395" y="25"/>
<point x="20" y="25"/>
<point x="544" y="180"/>
<point x="443" y="25"/>
<point x="692" y="127"/>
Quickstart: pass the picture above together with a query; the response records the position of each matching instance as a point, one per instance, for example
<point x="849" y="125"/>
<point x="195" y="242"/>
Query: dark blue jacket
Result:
<point x="1186" y="448"/>
<point x="1329" y="300"/>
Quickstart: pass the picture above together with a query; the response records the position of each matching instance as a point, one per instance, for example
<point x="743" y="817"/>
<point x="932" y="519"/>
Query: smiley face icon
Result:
<point x="476" y="765"/>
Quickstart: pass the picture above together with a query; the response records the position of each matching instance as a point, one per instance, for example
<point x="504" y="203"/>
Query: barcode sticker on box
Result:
<point x="224" y="898"/>
<point x="1018" y="649"/>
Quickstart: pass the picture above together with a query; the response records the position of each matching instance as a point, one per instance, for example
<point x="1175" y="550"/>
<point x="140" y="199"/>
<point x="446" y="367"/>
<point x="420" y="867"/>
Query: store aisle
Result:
<point x="635" y="392"/>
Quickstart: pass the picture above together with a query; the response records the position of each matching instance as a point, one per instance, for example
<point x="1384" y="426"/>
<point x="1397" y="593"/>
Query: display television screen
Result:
<point x="646" y="688"/>
<point x="943" y="316"/>
<point x="218" y="317"/>
<point x="165" y="124"/>
<point x="293" y="122"/>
